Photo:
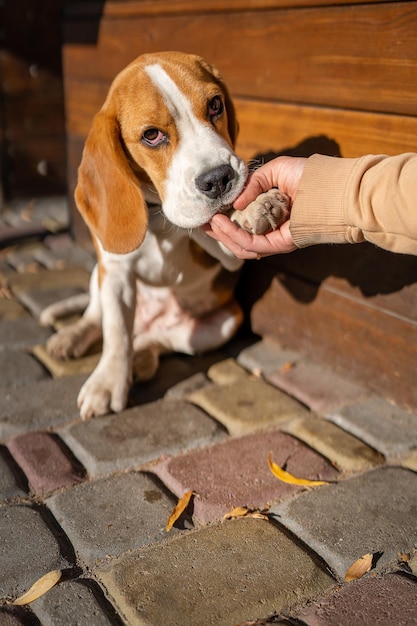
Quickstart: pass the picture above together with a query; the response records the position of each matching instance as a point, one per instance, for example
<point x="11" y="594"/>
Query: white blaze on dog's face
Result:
<point x="185" y="142"/>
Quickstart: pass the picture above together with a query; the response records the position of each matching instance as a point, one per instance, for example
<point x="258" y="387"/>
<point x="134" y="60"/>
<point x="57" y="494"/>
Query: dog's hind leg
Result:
<point x="74" y="340"/>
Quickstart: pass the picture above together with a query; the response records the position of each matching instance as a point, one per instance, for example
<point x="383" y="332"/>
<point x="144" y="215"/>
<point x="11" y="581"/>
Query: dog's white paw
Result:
<point x="266" y="213"/>
<point x="103" y="392"/>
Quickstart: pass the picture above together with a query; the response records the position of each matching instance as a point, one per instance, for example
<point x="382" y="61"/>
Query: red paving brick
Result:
<point x="387" y="601"/>
<point x="236" y="473"/>
<point x="44" y="462"/>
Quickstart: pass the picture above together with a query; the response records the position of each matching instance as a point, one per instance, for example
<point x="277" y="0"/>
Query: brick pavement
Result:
<point x="92" y="498"/>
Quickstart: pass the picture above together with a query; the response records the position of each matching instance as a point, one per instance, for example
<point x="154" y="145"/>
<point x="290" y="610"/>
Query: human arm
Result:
<point x="333" y="200"/>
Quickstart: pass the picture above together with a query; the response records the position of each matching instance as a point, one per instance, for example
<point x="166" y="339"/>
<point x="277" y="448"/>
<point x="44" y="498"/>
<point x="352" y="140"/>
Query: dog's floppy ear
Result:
<point x="108" y="194"/>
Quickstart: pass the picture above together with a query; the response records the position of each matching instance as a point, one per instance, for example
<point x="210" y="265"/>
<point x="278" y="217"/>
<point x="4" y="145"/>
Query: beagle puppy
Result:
<point x="158" y="163"/>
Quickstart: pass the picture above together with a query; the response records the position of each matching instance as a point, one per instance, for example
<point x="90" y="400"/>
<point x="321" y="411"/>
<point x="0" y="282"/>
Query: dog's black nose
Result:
<point x="216" y="182"/>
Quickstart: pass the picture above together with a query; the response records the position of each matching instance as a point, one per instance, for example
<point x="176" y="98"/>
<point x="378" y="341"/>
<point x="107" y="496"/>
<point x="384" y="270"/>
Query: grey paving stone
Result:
<point x="49" y="279"/>
<point x="37" y="300"/>
<point x="319" y="387"/>
<point x="187" y="386"/>
<point x="28" y="549"/>
<point x="19" y="367"/>
<point x="47" y="465"/>
<point x="17" y="616"/>
<point x="235" y="473"/>
<point x="384" y="600"/>
<point x="139" y="435"/>
<point x="38" y="405"/>
<point x="9" y="485"/>
<point x="60" y="257"/>
<point x="386" y="427"/>
<point x="22" y="257"/>
<point x="221" y="575"/>
<point x="112" y="515"/>
<point x="267" y="356"/>
<point x="373" y="513"/>
<point x="347" y="452"/>
<point x="21" y="333"/>
<point x="247" y="404"/>
<point x="73" y="603"/>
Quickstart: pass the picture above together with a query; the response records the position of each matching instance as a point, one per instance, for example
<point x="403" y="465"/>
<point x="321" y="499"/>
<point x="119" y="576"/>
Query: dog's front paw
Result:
<point x="266" y="213"/>
<point x="103" y="393"/>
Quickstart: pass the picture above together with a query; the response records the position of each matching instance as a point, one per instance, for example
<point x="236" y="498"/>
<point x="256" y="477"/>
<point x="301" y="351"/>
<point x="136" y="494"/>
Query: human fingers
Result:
<point x="244" y="245"/>
<point x="283" y="172"/>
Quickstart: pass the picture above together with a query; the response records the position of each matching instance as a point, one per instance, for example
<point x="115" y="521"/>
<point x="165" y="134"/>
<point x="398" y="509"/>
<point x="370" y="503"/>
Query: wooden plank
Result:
<point x="155" y="7"/>
<point x="353" y="56"/>
<point x="302" y="130"/>
<point x="377" y="349"/>
<point x="276" y="127"/>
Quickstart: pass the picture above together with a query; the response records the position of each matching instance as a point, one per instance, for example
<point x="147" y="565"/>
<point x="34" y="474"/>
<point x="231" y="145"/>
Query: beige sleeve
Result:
<point x="373" y="198"/>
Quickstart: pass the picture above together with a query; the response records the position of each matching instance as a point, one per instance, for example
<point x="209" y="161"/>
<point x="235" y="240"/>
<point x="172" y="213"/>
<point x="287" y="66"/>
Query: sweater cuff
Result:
<point x="318" y="212"/>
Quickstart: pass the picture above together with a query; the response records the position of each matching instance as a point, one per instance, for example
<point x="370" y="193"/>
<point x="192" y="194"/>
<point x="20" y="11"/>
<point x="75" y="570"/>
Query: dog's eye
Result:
<point x="153" y="137"/>
<point x="215" y="108"/>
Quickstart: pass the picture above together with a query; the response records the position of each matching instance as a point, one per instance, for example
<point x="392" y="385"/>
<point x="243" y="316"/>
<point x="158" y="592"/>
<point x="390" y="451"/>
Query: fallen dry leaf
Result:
<point x="359" y="567"/>
<point x="289" y="365"/>
<point x="286" y="477"/>
<point x="242" y="511"/>
<point x="182" y="504"/>
<point x="39" y="588"/>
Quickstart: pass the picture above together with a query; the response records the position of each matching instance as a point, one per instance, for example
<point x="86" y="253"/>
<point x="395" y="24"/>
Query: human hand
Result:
<point x="282" y="172"/>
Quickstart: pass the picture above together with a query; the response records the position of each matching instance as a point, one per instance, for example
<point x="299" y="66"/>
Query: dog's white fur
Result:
<point x="161" y="284"/>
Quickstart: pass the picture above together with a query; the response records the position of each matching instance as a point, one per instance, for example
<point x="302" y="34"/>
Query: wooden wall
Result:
<point x="306" y="76"/>
<point x="32" y="120"/>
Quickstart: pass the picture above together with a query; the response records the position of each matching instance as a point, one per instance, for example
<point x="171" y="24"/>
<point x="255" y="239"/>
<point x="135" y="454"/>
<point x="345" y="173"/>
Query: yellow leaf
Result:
<point x="239" y="511"/>
<point x="39" y="588"/>
<point x="286" y="477"/>
<point x="242" y="511"/>
<point x="179" y="510"/>
<point x="359" y="567"/>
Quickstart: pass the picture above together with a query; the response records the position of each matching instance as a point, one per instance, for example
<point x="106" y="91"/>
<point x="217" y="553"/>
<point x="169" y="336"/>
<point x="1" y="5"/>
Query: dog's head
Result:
<point x="168" y="123"/>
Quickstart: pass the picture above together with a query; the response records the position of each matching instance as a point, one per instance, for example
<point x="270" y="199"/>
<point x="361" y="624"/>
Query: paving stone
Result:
<point x="109" y="516"/>
<point x="28" y="549"/>
<point x="409" y="460"/>
<point x="384" y="426"/>
<point x="221" y="575"/>
<point x="37" y="300"/>
<point x="387" y="600"/>
<point x="17" y="616"/>
<point x="21" y="333"/>
<point x="10" y="309"/>
<point x="247" y="404"/>
<point x="70" y="367"/>
<point x="72" y="603"/>
<point x="63" y="257"/>
<point x="185" y="387"/>
<point x="22" y="257"/>
<point x="235" y="473"/>
<point x="139" y="435"/>
<point x="226" y="372"/>
<point x="19" y="367"/>
<point x="9" y="486"/>
<point x="370" y="513"/>
<point x="49" y="279"/>
<point x="347" y="452"/>
<point x="38" y="405"/>
<point x="267" y="356"/>
<point x="316" y="386"/>
<point x="44" y="461"/>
